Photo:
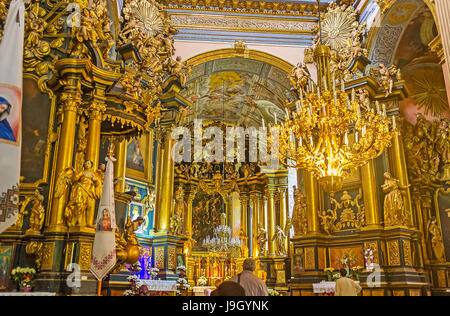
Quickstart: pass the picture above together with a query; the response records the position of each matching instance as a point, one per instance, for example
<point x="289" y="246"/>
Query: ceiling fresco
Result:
<point x="238" y="91"/>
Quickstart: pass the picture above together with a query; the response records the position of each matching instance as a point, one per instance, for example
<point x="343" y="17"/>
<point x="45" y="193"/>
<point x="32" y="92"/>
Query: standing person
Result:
<point x="252" y="285"/>
<point x="346" y="286"/>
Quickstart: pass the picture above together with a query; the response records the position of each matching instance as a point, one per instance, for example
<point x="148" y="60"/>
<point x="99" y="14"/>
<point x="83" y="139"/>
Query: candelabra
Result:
<point x="329" y="132"/>
<point x="222" y="243"/>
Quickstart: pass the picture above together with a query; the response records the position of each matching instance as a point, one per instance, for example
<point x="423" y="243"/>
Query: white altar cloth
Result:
<point x="325" y="287"/>
<point x="27" y="294"/>
<point x="160" y="285"/>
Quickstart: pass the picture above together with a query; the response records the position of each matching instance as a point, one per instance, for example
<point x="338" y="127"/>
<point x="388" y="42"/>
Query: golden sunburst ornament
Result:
<point x="150" y="16"/>
<point x="337" y="27"/>
<point x="430" y="94"/>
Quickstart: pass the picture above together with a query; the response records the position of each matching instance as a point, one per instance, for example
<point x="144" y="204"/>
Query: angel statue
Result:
<point x="435" y="237"/>
<point x="387" y="76"/>
<point x="262" y="239"/>
<point x="86" y="188"/>
<point x="300" y="77"/>
<point x="37" y="212"/>
<point x="394" y="205"/>
<point x="280" y="242"/>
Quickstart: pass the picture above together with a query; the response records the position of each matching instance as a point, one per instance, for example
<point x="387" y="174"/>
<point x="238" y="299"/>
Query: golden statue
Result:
<point x="327" y="220"/>
<point x="386" y="77"/>
<point x="300" y="77"/>
<point x="262" y="239"/>
<point x="244" y="248"/>
<point x="37" y="213"/>
<point x="435" y="238"/>
<point x="280" y="241"/>
<point x="176" y="220"/>
<point x="127" y="244"/>
<point x="299" y="219"/>
<point x="86" y="188"/>
<point x="394" y="204"/>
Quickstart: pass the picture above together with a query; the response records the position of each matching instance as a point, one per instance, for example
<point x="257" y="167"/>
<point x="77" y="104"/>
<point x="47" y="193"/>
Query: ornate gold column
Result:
<point x="369" y="185"/>
<point x="312" y="199"/>
<point x="96" y="111"/>
<point x="400" y="170"/>
<point x="244" y="209"/>
<point x="271" y="221"/>
<point x="70" y="101"/>
<point x="120" y="164"/>
<point x="283" y="213"/>
<point x="166" y="197"/>
<point x="255" y="221"/>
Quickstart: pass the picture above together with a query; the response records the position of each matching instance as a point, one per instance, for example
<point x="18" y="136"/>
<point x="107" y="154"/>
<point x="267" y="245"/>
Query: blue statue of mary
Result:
<point x="6" y="132"/>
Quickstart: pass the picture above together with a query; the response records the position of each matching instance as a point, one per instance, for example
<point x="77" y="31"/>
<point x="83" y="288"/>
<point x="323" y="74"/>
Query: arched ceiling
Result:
<point x="237" y="90"/>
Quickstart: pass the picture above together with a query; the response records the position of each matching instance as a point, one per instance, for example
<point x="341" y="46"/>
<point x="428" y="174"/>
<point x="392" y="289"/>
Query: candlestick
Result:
<point x="342" y="85"/>
<point x="353" y="95"/>
<point x="287" y="113"/>
<point x="297" y="107"/>
<point x="263" y="123"/>
<point x="346" y="138"/>
<point x="325" y="86"/>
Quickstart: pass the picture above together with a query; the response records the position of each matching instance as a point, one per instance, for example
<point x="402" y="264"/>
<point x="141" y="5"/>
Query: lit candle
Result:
<point x="318" y="91"/>
<point x="356" y="136"/>
<point x="346" y="138"/>
<point x="378" y="107"/>
<point x="301" y="141"/>
<point x="334" y="85"/>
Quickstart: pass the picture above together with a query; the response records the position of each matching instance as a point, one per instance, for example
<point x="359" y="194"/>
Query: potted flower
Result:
<point x="154" y="273"/>
<point x="202" y="281"/>
<point x="356" y="271"/>
<point x="274" y="293"/>
<point x="182" y="271"/>
<point x="329" y="272"/>
<point x="23" y="278"/>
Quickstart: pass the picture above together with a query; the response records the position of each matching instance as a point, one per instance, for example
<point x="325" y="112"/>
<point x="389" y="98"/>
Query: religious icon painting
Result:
<point x="104" y="224"/>
<point x="10" y="105"/>
<point x="5" y="266"/>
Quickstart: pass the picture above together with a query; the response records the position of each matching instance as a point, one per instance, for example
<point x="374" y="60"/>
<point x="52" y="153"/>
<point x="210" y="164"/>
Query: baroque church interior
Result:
<point x="158" y="144"/>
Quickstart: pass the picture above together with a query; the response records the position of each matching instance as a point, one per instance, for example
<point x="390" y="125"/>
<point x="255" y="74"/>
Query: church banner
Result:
<point x="11" y="50"/>
<point x="104" y="248"/>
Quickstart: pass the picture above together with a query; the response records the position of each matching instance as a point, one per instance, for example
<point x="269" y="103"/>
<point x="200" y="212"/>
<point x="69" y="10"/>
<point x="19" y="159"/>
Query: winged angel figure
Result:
<point x="86" y="188"/>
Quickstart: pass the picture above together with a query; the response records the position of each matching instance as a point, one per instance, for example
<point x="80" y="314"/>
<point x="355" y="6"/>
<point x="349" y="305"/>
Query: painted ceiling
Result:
<point x="238" y="91"/>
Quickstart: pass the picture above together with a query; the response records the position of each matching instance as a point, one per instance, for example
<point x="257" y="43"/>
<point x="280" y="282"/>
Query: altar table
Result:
<point x="27" y="294"/>
<point x="160" y="285"/>
<point x="325" y="288"/>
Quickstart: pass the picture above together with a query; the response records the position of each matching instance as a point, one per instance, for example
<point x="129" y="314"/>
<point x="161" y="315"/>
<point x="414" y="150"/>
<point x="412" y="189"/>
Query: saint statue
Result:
<point x="262" y="239"/>
<point x="394" y="205"/>
<point x="37" y="212"/>
<point x="280" y="242"/>
<point x="299" y="219"/>
<point x="435" y="237"/>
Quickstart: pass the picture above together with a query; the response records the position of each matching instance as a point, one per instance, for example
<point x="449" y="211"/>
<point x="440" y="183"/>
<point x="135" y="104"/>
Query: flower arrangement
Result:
<point x="356" y="271"/>
<point x="135" y="268"/>
<point x="181" y="268"/>
<point x="331" y="275"/>
<point x="154" y="273"/>
<point x="274" y="293"/>
<point x="202" y="281"/>
<point x="23" y="277"/>
<point x="182" y="285"/>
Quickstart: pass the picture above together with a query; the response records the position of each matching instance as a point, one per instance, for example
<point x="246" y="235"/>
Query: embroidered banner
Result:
<point x="11" y="50"/>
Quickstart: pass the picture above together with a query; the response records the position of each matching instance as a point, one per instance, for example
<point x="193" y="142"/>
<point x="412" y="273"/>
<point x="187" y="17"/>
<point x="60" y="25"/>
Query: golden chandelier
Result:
<point x="329" y="132"/>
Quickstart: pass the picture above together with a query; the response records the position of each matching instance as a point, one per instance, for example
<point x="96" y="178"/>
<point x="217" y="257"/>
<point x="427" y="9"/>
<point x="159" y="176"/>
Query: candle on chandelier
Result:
<point x="346" y="138"/>
<point x="342" y="85"/>
<point x="325" y="85"/>
<point x="384" y="109"/>
<point x="263" y="123"/>
<point x="353" y="95"/>
<point x="301" y="99"/>
<point x="301" y="141"/>
<point x="287" y="113"/>
<point x="297" y="107"/>
<point x="394" y="123"/>
<point x="378" y="107"/>
<point x="275" y="116"/>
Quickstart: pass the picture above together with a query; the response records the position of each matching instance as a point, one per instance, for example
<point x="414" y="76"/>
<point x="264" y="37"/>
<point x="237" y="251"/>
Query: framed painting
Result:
<point x="139" y="158"/>
<point x="6" y="253"/>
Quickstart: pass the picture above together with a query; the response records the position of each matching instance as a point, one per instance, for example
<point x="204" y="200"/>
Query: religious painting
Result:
<point x="206" y="211"/>
<point x="104" y="224"/>
<point x="5" y="266"/>
<point x="238" y="90"/>
<point x="443" y="208"/>
<point x="135" y="158"/>
<point x="143" y="206"/>
<point x="36" y="120"/>
<point x="10" y="106"/>
<point x="346" y="257"/>
<point x="181" y="260"/>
